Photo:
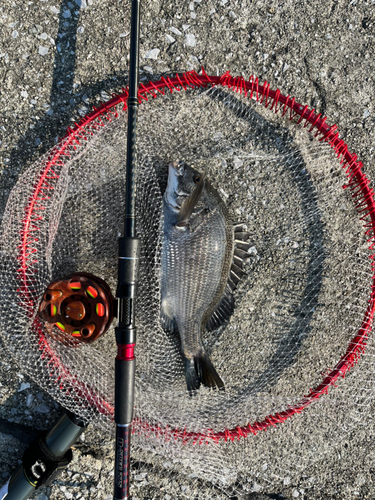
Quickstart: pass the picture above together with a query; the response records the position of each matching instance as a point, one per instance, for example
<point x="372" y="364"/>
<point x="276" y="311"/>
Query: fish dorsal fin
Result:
<point x="222" y="312"/>
<point x="224" y="309"/>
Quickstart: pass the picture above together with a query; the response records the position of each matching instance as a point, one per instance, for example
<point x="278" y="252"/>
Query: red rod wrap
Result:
<point x="125" y="352"/>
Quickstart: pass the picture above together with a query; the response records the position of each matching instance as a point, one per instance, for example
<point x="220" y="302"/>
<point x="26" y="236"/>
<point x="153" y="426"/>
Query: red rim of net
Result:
<point x="357" y="183"/>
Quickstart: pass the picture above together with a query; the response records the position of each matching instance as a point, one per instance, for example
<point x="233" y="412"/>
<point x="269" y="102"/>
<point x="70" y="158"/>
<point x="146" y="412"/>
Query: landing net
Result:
<point x="296" y="356"/>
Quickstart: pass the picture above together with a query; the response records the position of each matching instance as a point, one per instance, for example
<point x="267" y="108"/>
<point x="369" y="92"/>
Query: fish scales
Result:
<point x="197" y="255"/>
<point x="193" y="262"/>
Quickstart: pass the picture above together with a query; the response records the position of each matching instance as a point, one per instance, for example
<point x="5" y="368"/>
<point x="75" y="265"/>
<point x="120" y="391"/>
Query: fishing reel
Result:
<point x="80" y="306"/>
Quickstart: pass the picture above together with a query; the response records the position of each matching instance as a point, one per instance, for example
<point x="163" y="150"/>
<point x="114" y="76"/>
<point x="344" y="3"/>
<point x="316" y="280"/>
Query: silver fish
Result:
<point x="202" y="258"/>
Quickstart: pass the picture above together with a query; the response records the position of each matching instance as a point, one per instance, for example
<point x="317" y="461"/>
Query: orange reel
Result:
<point x="80" y="305"/>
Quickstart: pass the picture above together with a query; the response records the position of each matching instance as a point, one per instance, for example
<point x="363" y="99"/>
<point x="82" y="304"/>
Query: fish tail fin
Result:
<point x="206" y="371"/>
<point x="192" y="380"/>
<point x="201" y="370"/>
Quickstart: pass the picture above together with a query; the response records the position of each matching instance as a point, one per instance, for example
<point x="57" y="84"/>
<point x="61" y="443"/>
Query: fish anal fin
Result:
<point x="168" y="324"/>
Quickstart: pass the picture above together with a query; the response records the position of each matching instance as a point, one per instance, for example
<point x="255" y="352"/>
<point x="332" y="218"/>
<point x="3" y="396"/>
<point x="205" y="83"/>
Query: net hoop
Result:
<point x="357" y="183"/>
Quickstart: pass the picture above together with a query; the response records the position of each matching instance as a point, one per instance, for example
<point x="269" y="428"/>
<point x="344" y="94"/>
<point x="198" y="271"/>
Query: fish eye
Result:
<point x="196" y="179"/>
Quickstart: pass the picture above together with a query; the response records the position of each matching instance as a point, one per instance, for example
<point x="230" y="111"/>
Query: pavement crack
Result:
<point x="333" y="8"/>
<point x="322" y="94"/>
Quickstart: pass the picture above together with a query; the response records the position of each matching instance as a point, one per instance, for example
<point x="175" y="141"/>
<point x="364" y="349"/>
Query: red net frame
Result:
<point x="357" y="183"/>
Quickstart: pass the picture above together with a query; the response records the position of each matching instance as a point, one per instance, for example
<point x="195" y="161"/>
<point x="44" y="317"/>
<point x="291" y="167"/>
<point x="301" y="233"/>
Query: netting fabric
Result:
<point x="303" y="311"/>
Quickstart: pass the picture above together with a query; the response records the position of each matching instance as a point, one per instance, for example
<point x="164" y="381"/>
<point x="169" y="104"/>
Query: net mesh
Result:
<point x="303" y="311"/>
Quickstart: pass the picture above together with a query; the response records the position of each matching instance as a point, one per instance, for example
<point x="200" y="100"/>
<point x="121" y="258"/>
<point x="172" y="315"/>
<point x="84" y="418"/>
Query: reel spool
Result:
<point x="80" y="306"/>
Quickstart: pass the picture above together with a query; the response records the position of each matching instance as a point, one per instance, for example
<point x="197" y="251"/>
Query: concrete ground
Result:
<point x="58" y="59"/>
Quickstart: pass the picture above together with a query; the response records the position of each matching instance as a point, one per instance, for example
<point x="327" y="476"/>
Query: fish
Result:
<point x="202" y="258"/>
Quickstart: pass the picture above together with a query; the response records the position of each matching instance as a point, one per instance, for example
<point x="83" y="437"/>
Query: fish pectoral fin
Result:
<point x="191" y="202"/>
<point x="198" y="219"/>
<point x="194" y="222"/>
<point x="201" y="370"/>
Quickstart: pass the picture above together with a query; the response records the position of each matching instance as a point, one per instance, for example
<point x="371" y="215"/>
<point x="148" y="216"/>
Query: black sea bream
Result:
<point x="202" y="257"/>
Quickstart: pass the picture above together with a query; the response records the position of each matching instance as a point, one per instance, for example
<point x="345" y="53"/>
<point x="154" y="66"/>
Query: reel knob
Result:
<point x="80" y="306"/>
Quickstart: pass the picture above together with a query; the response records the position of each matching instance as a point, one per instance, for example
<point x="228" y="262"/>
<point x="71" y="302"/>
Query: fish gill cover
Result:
<point x="303" y="299"/>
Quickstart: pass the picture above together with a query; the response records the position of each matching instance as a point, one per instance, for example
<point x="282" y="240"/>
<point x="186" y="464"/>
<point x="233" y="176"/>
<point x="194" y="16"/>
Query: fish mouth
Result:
<point x="178" y="166"/>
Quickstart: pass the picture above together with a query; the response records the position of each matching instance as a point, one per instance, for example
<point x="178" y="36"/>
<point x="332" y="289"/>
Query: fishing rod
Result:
<point x="51" y="452"/>
<point x="129" y="247"/>
<point x="45" y="458"/>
